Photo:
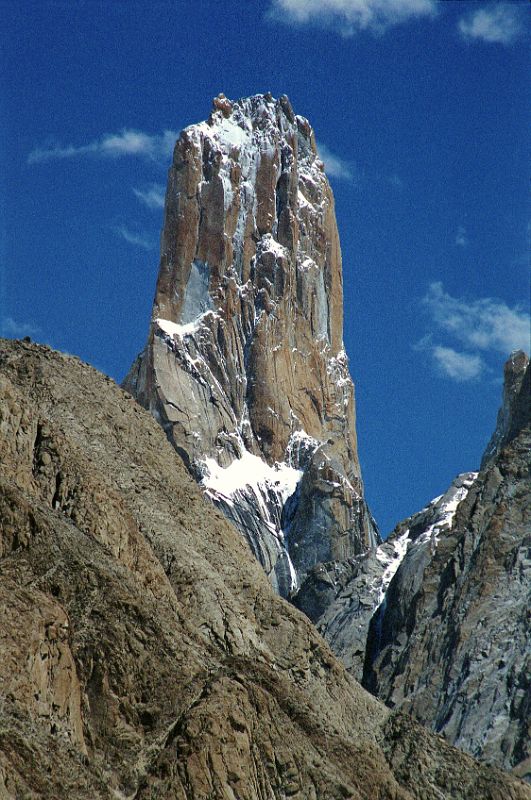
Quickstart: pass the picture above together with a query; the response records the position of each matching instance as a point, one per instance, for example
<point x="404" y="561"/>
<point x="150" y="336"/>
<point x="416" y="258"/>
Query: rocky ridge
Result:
<point x="513" y="415"/>
<point x="143" y="653"/>
<point x="244" y="365"/>
<point x="453" y="643"/>
<point x="342" y="598"/>
<point x="436" y="621"/>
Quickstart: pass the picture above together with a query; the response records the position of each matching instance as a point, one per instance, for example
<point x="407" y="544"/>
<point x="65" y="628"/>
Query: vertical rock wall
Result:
<point x="244" y="365"/>
<point x="452" y="644"/>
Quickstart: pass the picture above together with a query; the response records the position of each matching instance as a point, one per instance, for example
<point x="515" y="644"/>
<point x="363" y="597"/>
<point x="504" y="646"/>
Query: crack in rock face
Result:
<point x="244" y="365"/>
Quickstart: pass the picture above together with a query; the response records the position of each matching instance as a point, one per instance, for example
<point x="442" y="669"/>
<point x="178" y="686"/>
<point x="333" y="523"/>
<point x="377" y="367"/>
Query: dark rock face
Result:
<point x="342" y="598"/>
<point x="143" y="652"/>
<point x="244" y="365"/>
<point x="514" y="412"/>
<point x="452" y="643"/>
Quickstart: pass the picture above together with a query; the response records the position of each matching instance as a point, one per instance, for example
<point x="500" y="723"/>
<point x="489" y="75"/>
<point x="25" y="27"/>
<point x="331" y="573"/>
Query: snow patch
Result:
<point x="249" y="471"/>
<point x="174" y="329"/>
<point x="338" y="369"/>
<point x="392" y="561"/>
<point x="446" y="506"/>
<point x="268" y="243"/>
<point x="443" y="508"/>
<point x="303" y="201"/>
<point x="301" y="437"/>
<point x="269" y="487"/>
<point x="230" y="133"/>
<point x="307" y="265"/>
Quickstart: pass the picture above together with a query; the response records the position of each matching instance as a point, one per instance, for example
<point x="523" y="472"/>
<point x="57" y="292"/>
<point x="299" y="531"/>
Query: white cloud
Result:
<point x="461" y="238"/>
<point x="500" y="23"/>
<point x="152" y="197"/>
<point x="483" y="324"/>
<point x="351" y="16"/>
<point x="335" y="166"/>
<point x="13" y="329"/>
<point x="458" y="366"/>
<point x="138" y="239"/>
<point x="112" y="145"/>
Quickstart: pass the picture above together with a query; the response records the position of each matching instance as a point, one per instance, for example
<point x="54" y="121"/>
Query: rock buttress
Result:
<point x="244" y="365"/>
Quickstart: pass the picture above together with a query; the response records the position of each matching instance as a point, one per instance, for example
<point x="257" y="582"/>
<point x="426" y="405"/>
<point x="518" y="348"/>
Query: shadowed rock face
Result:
<point x="436" y="620"/>
<point x="244" y="365"/>
<point x="514" y="412"/>
<point x="143" y="652"/>
<point x="341" y="598"/>
<point x="452" y="643"/>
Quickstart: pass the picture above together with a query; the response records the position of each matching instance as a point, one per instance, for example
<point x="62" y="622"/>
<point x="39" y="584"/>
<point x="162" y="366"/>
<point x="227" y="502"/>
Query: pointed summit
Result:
<point x="515" y="410"/>
<point x="244" y="365"/>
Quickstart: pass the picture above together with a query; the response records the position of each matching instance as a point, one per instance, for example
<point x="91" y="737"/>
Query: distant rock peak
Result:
<point x="515" y="411"/>
<point x="245" y="366"/>
<point x="343" y="598"/>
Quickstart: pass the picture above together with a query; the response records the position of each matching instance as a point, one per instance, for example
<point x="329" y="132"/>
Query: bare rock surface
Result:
<point x="143" y="652"/>
<point x="342" y="598"/>
<point x="514" y="411"/>
<point x="244" y="365"/>
<point x="451" y="643"/>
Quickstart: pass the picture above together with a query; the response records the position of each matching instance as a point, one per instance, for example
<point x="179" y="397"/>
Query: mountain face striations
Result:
<point x="244" y="368"/>
<point x="342" y="598"/>
<point x="436" y="621"/>
<point x="452" y="645"/>
<point x="244" y="365"/>
<point x="143" y="652"/>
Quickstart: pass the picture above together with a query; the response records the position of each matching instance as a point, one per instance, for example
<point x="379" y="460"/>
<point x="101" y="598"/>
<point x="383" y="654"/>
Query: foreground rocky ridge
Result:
<point x="436" y="621"/>
<point x="143" y="651"/>
<point x="244" y="365"/>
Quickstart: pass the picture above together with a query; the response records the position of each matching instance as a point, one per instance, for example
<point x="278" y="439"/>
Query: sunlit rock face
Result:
<point x="244" y="365"/>
<point x="514" y="411"/>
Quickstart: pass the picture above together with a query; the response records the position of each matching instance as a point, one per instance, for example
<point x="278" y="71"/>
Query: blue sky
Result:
<point x="421" y="109"/>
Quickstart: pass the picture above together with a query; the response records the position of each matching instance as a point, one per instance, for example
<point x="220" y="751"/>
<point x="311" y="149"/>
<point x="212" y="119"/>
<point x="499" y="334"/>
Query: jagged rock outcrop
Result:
<point x="452" y="642"/>
<point x="143" y="652"/>
<point x="514" y="411"/>
<point x="341" y="598"/>
<point x="244" y="365"/>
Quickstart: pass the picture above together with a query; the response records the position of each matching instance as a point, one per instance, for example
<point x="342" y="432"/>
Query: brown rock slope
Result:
<point x="244" y="365"/>
<point x="143" y="653"/>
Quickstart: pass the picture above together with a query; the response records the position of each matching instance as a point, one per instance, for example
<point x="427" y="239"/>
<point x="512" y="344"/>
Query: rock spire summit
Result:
<point x="244" y="364"/>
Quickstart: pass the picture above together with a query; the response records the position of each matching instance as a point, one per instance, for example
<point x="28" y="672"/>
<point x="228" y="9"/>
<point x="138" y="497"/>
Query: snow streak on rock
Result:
<point x="343" y="598"/>
<point x="245" y="366"/>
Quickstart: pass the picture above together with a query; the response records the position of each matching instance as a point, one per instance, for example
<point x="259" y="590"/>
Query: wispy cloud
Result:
<point x="112" y="145"/>
<point x="461" y="238"/>
<point x="10" y="328"/>
<point x="335" y="166"/>
<point x="142" y="240"/>
<point x="350" y="16"/>
<point x="153" y="196"/>
<point x="483" y="324"/>
<point x="459" y="367"/>
<point x="499" y="23"/>
<point x="479" y="327"/>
